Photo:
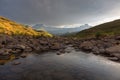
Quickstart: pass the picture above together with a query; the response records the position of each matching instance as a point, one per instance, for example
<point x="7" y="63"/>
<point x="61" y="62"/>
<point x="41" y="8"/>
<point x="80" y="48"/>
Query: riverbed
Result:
<point x="75" y="65"/>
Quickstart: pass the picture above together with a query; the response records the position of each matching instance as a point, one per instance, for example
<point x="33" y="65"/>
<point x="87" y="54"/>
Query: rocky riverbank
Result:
<point x="26" y="44"/>
<point x="108" y="47"/>
<point x="23" y="45"/>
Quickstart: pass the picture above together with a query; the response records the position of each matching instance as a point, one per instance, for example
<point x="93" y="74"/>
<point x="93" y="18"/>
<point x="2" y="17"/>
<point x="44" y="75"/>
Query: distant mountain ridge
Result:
<point x="10" y="27"/>
<point x="60" y="31"/>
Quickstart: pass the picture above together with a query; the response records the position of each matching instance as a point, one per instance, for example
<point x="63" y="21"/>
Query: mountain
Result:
<point x="10" y="27"/>
<point x="107" y="29"/>
<point x="60" y="31"/>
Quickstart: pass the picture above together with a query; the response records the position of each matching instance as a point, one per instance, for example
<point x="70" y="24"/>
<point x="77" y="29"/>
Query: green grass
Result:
<point x="106" y="29"/>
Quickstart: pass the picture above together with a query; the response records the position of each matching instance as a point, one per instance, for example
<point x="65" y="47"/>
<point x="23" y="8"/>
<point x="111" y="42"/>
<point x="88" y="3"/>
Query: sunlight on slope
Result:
<point x="12" y="28"/>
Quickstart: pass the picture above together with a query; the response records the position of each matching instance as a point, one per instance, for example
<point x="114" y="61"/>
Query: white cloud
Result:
<point x="69" y="26"/>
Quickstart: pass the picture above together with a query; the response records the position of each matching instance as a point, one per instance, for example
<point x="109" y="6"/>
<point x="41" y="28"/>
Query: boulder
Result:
<point x="56" y="46"/>
<point x="86" y="45"/>
<point x="95" y="50"/>
<point x="113" y="49"/>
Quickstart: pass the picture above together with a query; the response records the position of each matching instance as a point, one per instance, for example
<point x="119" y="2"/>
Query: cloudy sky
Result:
<point x="60" y="12"/>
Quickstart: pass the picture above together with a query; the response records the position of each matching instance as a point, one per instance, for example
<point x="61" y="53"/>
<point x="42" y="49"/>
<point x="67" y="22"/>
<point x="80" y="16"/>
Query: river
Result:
<point x="75" y="65"/>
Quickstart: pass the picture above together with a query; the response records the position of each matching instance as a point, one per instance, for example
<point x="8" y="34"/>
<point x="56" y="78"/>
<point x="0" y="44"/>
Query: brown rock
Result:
<point x="95" y="50"/>
<point x="87" y="45"/>
<point x="24" y="55"/>
<point x="114" y="49"/>
<point x="117" y="38"/>
<point x="55" y="46"/>
<point x="16" y="48"/>
<point x="43" y="42"/>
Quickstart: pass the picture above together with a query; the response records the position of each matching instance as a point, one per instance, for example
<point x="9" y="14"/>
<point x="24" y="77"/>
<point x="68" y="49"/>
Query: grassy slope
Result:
<point x="12" y="28"/>
<point x="106" y="29"/>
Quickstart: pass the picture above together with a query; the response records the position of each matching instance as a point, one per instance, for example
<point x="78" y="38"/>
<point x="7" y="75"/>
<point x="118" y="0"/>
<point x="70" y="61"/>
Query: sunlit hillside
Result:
<point x="12" y="28"/>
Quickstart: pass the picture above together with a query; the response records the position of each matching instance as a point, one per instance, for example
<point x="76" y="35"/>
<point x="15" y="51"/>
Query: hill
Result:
<point x="106" y="29"/>
<point x="10" y="27"/>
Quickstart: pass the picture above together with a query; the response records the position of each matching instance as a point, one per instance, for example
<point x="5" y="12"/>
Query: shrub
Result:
<point x="98" y="35"/>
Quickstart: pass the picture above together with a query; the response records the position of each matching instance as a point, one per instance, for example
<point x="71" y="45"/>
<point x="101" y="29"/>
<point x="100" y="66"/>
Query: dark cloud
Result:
<point x="59" y="12"/>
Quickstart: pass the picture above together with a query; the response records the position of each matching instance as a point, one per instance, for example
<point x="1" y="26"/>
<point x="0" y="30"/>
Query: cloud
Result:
<point x="59" y="12"/>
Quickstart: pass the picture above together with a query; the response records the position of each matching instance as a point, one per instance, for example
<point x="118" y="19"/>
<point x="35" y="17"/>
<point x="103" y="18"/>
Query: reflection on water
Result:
<point x="4" y="61"/>
<point x="69" y="66"/>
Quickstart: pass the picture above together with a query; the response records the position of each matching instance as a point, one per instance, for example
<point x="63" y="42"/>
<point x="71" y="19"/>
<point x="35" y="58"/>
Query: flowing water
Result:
<point x="69" y="66"/>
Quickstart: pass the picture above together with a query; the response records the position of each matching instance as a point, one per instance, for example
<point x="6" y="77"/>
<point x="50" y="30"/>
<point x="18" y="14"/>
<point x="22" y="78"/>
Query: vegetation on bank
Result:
<point x="12" y="28"/>
<point x="103" y="30"/>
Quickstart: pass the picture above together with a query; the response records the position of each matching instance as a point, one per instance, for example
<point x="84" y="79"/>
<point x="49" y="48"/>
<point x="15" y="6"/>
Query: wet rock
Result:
<point x="113" y="58"/>
<point x="68" y="51"/>
<point x="24" y="55"/>
<point x="17" y="57"/>
<point x="16" y="63"/>
<point x="116" y="55"/>
<point x="58" y="53"/>
<point x="62" y="51"/>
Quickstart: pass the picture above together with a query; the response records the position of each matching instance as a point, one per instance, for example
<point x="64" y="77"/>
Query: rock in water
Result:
<point x="24" y="55"/>
<point x="16" y="63"/>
